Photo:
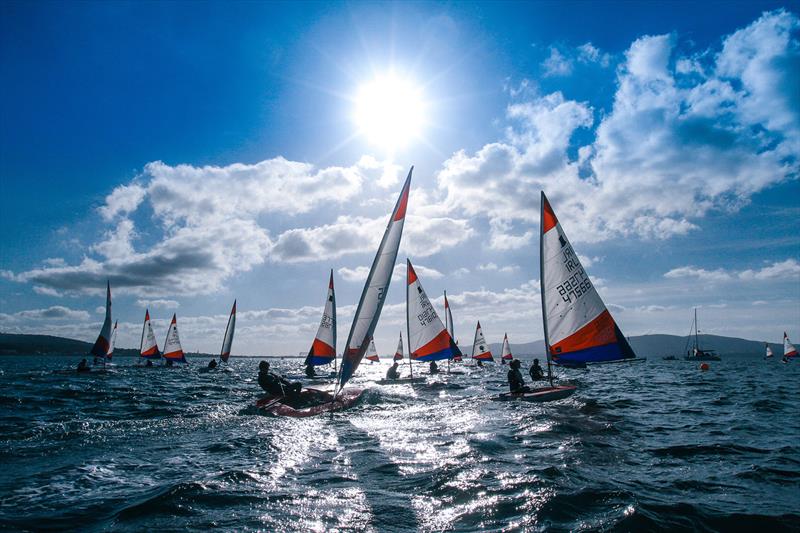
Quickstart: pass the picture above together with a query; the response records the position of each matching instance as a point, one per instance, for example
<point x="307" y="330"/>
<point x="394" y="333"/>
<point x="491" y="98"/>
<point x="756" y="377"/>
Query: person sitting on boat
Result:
<point x="83" y="366"/>
<point x="536" y="371"/>
<point x="169" y="362"/>
<point x="149" y="363"/>
<point x="393" y="372"/>
<point x="310" y="371"/>
<point x="276" y="385"/>
<point x="480" y="363"/>
<point x="434" y="368"/>
<point x="515" y="381"/>
<point x="212" y="364"/>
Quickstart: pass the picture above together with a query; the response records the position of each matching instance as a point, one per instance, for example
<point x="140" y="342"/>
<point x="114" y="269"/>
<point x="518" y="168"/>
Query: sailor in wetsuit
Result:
<point x="515" y="381"/>
<point x="393" y="373"/>
<point x="310" y="373"/>
<point x="536" y="371"/>
<point x="83" y="366"/>
<point x="212" y="364"/>
<point x="434" y="368"/>
<point x="276" y="385"/>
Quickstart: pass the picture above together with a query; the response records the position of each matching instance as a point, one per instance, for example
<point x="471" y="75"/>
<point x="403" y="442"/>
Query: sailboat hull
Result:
<point x="400" y="381"/>
<point x="324" y="402"/>
<point x="544" y="394"/>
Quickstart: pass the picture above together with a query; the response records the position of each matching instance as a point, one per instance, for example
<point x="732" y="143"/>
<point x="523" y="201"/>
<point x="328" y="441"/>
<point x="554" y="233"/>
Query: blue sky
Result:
<point x="197" y="153"/>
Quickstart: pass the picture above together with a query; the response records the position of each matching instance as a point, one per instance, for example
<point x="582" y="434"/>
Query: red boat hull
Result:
<point x="323" y="403"/>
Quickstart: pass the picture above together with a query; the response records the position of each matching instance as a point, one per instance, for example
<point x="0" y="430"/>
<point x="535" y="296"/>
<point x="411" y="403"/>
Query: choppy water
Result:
<point x="657" y="445"/>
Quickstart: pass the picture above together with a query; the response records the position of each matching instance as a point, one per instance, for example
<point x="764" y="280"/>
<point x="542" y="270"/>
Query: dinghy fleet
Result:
<point x="579" y="329"/>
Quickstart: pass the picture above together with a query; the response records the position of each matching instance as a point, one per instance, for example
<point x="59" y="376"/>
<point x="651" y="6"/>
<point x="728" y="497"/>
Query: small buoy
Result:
<point x="704" y="366"/>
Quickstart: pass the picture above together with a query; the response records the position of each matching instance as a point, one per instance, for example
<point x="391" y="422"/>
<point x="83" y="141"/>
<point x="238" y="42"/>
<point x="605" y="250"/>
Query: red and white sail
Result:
<point x="428" y="339"/>
<point x="372" y="352"/>
<point x="788" y="348"/>
<point x="375" y="288"/>
<point x="448" y="323"/>
<point x="172" y="346"/>
<point x="398" y="354"/>
<point x="578" y="327"/>
<point x="227" y="340"/>
<point x="769" y="350"/>
<point x="148" y="348"/>
<point x="506" y="349"/>
<point x="103" y="342"/>
<point x="323" y="349"/>
<point x="480" y="350"/>
<point x="110" y="352"/>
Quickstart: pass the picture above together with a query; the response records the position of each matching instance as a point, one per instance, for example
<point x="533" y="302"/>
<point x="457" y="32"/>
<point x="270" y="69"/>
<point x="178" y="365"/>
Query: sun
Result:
<point x="390" y="112"/>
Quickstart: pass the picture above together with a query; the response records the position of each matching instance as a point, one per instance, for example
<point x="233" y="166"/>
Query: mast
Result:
<point x="541" y="287"/>
<point x="408" y="325"/>
<point x="696" y="333"/>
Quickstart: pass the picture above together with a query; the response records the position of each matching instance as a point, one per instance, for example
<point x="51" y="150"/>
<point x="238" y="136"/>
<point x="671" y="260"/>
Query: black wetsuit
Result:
<point x="310" y="371"/>
<point x="536" y="372"/>
<point x="212" y="364"/>
<point x="278" y="386"/>
<point x="515" y="381"/>
<point x="392" y="373"/>
<point x="83" y="367"/>
<point x="434" y="368"/>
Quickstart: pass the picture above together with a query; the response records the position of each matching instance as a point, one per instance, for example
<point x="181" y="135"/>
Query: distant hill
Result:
<point x="14" y="343"/>
<point x="662" y="345"/>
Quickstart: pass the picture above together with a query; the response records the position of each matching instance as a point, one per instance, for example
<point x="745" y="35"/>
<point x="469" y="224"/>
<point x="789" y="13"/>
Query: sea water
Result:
<point x="655" y="445"/>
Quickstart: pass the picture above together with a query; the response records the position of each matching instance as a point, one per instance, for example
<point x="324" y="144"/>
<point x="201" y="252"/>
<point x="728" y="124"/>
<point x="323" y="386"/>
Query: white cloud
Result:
<point x="492" y="267"/>
<point x="358" y="274"/>
<point x="588" y="53"/>
<point x="782" y="270"/>
<point x="57" y="312"/>
<point x="122" y="200"/>
<point x="158" y="304"/>
<point x="556" y="64"/>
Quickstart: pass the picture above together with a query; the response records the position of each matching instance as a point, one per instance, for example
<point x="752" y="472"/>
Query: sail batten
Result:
<point x="323" y="349"/>
<point x="579" y="328"/>
<point x="375" y="288"/>
<point x="428" y="339"/>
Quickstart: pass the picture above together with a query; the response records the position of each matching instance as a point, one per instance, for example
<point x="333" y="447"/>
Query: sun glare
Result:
<point x="389" y="112"/>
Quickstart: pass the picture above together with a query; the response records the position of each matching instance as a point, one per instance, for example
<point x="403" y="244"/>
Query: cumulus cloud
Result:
<point x="781" y="271"/>
<point x="492" y="267"/>
<point x="588" y="53"/>
<point x="556" y="64"/>
<point x="678" y="142"/>
<point x="360" y="273"/>
<point x="57" y="312"/>
<point x="158" y="304"/>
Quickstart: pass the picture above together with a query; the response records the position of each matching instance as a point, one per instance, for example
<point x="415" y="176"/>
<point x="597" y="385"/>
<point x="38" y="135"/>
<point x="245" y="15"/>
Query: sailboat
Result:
<point x="364" y="322"/>
<point x="428" y="338"/>
<point x="372" y="352"/>
<point x="789" y="350"/>
<point x="148" y="348"/>
<point x="578" y="328"/>
<point x="398" y="354"/>
<point x="172" y="345"/>
<point x="506" y="350"/>
<point x="110" y="352"/>
<point x="480" y="350"/>
<point x="227" y="340"/>
<point x="768" y="351"/>
<point x="448" y="323"/>
<point x="696" y="354"/>
<point x="103" y="343"/>
<point x="323" y="349"/>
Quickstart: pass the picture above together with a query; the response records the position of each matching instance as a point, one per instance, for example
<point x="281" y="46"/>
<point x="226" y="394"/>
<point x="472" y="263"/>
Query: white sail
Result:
<point x="506" y="349"/>
<point x="374" y="293"/>
<point x="448" y="317"/>
<point x="428" y="339"/>
<point x="769" y="350"/>
<point x="372" y="352"/>
<point x="578" y="327"/>
<point x="101" y="345"/>
<point x="323" y="349"/>
<point x="398" y="354"/>
<point x="788" y="348"/>
<point x="480" y="350"/>
<point x="227" y="340"/>
<point x="172" y="345"/>
<point x="110" y="352"/>
<point x="148" y="348"/>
